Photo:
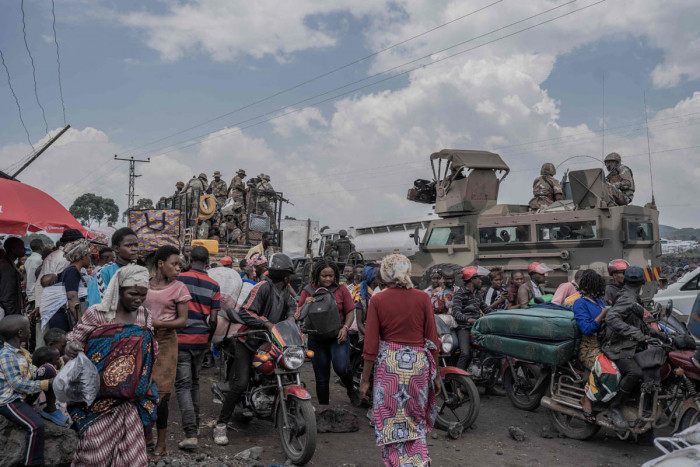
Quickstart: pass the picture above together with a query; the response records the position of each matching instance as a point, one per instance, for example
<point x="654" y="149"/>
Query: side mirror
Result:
<point x="669" y="308"/>
<point x="416" y="236"/>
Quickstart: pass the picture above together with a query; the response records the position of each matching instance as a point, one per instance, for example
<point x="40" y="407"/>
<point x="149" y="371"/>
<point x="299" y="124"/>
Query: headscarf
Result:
<point x="257" y="259"/>
<point x="76" y="250"/>
<point x="130" y="275"/>
<point x="396" y="269"/>
<point x="368" y="275"/>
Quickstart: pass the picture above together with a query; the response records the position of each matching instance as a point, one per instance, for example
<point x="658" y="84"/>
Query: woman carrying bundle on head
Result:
<point x="401" y="338"/>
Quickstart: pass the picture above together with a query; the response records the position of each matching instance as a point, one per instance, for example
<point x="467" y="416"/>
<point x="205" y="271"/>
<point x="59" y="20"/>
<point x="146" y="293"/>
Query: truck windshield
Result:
<point x="585" y="230"/>
<point x="447" y="236"/>
<point x="639" y="231"/>
<point x="506" y="234"/>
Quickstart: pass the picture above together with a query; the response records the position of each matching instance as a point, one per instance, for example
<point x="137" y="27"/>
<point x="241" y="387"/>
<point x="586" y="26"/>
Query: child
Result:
<point x="47" y="360"/>
<point x="48" y="280"/>
<point x="18" y="381"/>
<point x="56" y="338"/>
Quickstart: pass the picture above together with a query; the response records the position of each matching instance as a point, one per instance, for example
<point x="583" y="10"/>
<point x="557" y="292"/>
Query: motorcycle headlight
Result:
<point x="292" y="358"/>
<point x="447" y="343"/>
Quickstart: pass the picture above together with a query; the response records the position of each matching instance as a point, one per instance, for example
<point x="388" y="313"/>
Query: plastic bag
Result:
<point x="78" y="381"/>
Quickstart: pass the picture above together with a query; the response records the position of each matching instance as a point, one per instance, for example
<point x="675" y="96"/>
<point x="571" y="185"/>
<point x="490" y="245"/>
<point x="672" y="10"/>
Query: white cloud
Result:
<point x="304" y="121"/>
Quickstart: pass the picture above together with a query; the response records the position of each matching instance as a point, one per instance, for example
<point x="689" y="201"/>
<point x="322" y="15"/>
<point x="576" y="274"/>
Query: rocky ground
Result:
<point x="501" y="436"/>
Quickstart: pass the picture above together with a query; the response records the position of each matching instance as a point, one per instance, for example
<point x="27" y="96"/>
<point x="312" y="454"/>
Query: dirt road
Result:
<point x="487" y="444"/>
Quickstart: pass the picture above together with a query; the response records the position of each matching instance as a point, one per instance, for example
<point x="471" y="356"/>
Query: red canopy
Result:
<point x="24" y="208"/>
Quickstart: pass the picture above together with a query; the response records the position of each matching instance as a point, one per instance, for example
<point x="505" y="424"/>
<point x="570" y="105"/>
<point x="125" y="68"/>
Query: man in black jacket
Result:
<point x="10" y="277"/>
<point x="467" y="307"/>
<point x="268" y="303"/>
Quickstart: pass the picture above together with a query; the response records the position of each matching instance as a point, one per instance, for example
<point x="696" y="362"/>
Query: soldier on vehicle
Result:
<point x="230" y="230"/>
<point x="200" y="183"/>
<point x="179" y="187"/>
<point x="266" y="199"/>
<point x="620" y="181"/>
<point x="219" y="189"/>
<point x="237" y="188"/>
<point x="343" y="246"/>
<point x="545" y="189"/>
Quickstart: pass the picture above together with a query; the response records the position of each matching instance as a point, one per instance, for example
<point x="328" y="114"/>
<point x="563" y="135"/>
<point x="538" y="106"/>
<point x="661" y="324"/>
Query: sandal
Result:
<point x="589" y="417"/>
<point x="57" y="417"/>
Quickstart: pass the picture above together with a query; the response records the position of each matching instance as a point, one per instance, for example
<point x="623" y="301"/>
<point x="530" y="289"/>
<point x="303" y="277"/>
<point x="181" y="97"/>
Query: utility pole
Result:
<point x="132" y="177"/>
<point x="39" y="152"/>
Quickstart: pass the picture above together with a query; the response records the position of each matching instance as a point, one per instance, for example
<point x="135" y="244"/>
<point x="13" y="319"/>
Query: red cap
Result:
<point x="539" y="268"/>
<point x="226" y="260"/>
<point x="470" y="271"/>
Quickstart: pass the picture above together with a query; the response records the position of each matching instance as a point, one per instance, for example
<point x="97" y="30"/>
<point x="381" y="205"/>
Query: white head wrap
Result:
<point x="126" y="276"/>
<point x="396" y="269"/>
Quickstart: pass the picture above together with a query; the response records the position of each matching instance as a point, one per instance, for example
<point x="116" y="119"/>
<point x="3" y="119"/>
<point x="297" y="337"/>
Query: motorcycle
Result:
<point x="673" y="402"/>
<point x="275" y="391"/>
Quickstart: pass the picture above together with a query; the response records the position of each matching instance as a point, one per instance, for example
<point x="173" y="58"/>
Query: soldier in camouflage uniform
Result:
<point x="230" y="230"/>
<point x="199" y="183"/>
<point x="179" y="187"/>
<point x="219" y="189"/>
<point x="620" y="181"/>
<point x="237" y="188"/>
<point x="265" y="200"/>
<point x="343" y="246"/>
<point x="545" y="189"/>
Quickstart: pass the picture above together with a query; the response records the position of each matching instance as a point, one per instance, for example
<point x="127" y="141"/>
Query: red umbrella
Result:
<point x="24" y="208"/>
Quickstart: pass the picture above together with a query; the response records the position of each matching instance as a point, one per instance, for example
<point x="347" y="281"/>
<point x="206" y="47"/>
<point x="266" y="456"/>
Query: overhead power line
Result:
<point x="31" y="59"/>
<point x="58" y="60"/>
<point x="316" y="78"/>
<point x="332" y="98"/>
<point x="19" y="108"/>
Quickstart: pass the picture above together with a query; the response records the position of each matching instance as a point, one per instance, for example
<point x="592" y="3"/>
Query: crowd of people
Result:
<point x="149" y="331"/>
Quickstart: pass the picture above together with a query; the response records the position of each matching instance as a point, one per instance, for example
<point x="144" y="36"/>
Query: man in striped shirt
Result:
<point x="194" y="339"/>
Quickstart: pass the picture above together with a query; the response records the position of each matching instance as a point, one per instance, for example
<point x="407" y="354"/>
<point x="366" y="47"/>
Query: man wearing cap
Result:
<point x="237" y="188"/>
<point x="219" y="189"/>
<point x="179" y="187"/>
<point x="228" y="262"/>
<point x="545" y="189"/>
<point x="200" y="183"/>
<point x="620" y="180"/>
<point x="532" y="288"/>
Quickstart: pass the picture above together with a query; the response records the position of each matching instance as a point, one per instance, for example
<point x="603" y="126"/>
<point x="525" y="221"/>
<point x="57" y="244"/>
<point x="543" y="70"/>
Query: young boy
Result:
<point x="56" y="338"/>
<point x="16" y="382"/>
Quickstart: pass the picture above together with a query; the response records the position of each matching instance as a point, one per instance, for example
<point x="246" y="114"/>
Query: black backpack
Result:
<point x="323" y="318"/>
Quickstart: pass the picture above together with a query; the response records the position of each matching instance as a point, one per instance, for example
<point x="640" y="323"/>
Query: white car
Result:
<point x="683" y="293"/>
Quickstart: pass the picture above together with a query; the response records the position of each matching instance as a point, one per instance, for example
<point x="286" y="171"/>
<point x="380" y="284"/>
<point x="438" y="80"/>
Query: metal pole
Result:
<point x="132" y="177"/>
<point x="41" y="151"/>
<point x="651" y="172"/>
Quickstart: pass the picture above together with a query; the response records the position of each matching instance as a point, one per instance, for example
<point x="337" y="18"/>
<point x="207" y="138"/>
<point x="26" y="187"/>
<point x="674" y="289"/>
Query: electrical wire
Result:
<point x="224" y="132"/>
<point x="19" y="108"/>
<point x="31" y="59"/>
<point x="58" y="61"/>
<point x="311" y="80"/>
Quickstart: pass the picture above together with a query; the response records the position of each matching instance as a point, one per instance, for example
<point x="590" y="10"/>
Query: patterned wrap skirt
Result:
<point x="166" y="362"/>
<point x="589" y="350"/>
<point x="404" y="402"/>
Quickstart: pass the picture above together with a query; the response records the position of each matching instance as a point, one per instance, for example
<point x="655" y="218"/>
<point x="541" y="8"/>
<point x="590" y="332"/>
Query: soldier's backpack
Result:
<point x="323" y="318"/>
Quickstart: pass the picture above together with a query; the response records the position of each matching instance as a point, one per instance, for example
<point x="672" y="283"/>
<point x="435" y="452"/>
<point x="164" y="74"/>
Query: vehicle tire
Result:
<point x="571" y="427"/>
<point x="464" y="409"/>
<point x="425" y="280"/>
<point x="519" y="396"/>
<point x="207" y="207"/>
<point x="299" y="442"/>
<point x="689" y="418"/>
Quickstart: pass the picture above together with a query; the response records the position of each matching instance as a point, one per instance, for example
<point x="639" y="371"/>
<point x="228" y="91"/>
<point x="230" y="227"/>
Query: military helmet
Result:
<point x="180" y="185"/>
<point x="613" y="157"/>
<point x="203" y="176"/>
<point x="266" y="177"/>
<point x="343" y="233"/>
<point x="548" y="169"/>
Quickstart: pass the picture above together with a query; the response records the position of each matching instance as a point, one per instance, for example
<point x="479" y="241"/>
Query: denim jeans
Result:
<point x="189" y="364"/>
<point x="326" y="353"/>
<point x="464" y="336"/>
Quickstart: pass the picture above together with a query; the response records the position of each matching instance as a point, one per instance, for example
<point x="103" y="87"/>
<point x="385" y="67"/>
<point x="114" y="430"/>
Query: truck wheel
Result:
<point x="425" y="280"/>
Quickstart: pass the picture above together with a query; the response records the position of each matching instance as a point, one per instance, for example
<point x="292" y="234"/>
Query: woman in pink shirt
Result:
<point x="167" y="303"/>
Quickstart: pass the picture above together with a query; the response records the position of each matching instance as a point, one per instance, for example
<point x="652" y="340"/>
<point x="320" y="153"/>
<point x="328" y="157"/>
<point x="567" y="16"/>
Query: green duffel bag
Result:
<point x="546" y="322"/>
<point x="547" y="353"/>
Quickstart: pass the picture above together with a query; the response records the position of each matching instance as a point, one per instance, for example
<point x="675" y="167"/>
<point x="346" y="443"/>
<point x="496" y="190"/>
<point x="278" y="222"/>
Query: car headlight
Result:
<point x="292" y="358"/>
<point x="447" y="343"/>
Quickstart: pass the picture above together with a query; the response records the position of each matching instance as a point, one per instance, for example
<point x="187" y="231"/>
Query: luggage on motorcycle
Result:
<point x="684" y="342"/>
<point x="323" y="318"/>
<point x="545" y="322"/>
<point x="604" y="380"/>
<point x="546" y="353"/>
<point x="652" y="357"/>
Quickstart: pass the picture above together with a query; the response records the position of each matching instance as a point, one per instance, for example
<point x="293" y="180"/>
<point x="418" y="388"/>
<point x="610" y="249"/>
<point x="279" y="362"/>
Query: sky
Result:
<point x="342" y="102"/>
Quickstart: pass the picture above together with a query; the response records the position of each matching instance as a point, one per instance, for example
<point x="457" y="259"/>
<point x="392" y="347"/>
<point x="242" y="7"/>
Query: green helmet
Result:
<point x="343" y="233"/>
<point x="613" y="157"/>
<point x="548" y="169"/>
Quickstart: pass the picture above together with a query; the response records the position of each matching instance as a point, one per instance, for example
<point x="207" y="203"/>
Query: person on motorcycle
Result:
<point x="616" y="269"/>
<point x="625" y="334"/>
<point x="467" y="307"/>
<point x="443" y="296"/>
<point x="532" y="288"/>
<point x="268" y="303"/>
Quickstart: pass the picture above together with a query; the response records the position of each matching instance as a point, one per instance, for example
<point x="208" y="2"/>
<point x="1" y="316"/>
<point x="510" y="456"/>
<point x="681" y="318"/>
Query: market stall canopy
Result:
<point x="25" y="209"/>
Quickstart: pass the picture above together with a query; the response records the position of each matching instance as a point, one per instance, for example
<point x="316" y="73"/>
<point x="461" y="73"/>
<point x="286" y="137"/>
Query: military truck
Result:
<point x="581" y="231"/>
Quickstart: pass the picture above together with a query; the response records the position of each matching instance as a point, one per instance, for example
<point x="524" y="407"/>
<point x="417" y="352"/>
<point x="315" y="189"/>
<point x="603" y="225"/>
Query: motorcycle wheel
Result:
<point x="520" y="397"/>
<point x="464" y="409"/>
<point x="572" y="427"/>
<point x="299" y="441"/>
<point x="690" y="418"/>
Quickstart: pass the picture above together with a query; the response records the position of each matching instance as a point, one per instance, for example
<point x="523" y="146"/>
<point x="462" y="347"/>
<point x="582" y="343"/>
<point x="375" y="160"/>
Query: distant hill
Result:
<point x="685" y="233"/>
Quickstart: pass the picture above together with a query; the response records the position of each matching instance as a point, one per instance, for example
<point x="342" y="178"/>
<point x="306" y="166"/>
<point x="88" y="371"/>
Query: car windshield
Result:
<point x="447" y="236"/>
<point x="640" y="231"/>
<point x="287" y="334"/>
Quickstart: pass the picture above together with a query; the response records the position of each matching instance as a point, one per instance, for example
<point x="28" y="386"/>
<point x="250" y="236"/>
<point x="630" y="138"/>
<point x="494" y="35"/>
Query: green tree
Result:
<point x="89" y="208"/>
<point x="45" y="239"/>
<point x="143" y="203"/>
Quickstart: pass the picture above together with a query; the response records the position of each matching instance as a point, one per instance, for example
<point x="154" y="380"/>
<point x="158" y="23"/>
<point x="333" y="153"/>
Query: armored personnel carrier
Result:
<point x="579" y="232"/>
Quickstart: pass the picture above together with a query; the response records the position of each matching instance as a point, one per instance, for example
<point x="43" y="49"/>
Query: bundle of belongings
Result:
<point x="546" y="334"/>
